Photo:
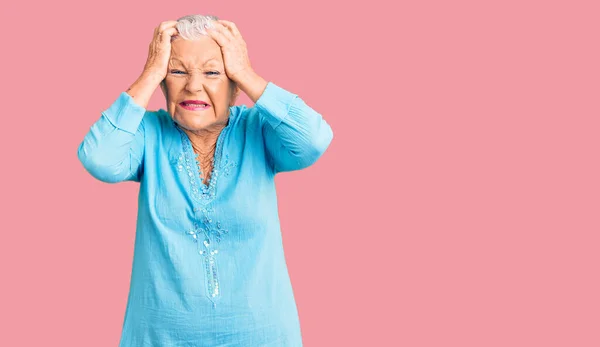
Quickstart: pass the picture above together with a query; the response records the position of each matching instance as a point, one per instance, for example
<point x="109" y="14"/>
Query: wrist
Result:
<point x="142" y="89"/>
<point x="150" y="77"/>
<point x="250" y="83"/>
<point x="244" y="76"/>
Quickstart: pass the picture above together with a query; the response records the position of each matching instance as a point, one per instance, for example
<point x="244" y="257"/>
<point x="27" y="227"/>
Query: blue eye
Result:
<point x="175" y="71"/>
<point x="215" y="72"/>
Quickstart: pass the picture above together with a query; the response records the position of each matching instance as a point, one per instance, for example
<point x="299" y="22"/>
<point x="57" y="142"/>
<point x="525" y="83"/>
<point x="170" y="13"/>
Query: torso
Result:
<point x="205" y="163"/>
<point x="205" y="160"/>
<point x="206" y="168"/>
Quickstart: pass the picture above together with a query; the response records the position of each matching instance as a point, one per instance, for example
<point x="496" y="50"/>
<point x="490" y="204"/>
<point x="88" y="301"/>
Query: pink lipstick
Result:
<point x="194" y="105"/>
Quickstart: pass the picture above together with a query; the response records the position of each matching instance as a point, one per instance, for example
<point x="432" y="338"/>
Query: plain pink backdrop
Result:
<point x="458" y="204"/>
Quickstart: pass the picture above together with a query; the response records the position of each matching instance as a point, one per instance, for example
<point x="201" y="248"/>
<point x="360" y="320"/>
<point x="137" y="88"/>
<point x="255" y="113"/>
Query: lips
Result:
<point x="194" y="103"/>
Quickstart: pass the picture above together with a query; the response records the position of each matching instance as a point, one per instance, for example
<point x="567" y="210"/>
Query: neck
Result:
<point x="204" y="141"/>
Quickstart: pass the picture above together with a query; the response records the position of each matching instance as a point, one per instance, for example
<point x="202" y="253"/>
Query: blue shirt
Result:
<point x="208" y="263"/>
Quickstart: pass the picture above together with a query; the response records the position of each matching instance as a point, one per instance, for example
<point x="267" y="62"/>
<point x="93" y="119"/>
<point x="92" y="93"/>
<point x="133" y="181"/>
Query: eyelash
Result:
<point x="215" y="72"/>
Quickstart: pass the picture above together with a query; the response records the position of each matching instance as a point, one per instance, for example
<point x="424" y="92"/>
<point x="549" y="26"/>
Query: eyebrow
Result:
<point x="205" y="63"/>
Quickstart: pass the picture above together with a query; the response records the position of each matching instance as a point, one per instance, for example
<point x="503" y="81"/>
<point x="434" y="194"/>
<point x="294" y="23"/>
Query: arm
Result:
<point x="295" y="135"/>
<point x="113" y="150"/>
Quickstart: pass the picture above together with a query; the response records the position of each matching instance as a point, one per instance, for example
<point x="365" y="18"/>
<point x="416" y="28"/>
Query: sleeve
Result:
<point x="113" y="149"/>
<point x="294" y="134"/>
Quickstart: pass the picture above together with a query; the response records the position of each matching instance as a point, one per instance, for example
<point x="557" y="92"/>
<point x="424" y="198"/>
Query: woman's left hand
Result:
<point x="233" y="47"/>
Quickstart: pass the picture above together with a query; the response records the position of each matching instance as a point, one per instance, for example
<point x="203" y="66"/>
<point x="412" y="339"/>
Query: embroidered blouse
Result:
<point x="208" y="265"/>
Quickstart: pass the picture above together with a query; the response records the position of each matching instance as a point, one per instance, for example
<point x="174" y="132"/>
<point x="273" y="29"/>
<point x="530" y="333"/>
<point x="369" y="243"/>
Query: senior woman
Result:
<point x="208" y="266"/>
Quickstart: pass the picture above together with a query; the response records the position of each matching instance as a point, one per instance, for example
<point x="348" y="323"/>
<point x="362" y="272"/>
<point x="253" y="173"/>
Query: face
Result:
<point x="196" y="72"/>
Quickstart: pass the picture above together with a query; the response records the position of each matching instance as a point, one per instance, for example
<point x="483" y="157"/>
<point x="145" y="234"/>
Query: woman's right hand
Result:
<point x="159" y="51"/>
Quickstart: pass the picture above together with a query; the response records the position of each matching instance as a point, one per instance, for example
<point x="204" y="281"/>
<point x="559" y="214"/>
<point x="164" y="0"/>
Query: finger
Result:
<point x="225" y="31"/>
<point x="231" y="27"/>
<point x="167" y="34"/>
<point x="164" y="26"/>
<point x="218" y="36"/>
<point x="167" y="24"/>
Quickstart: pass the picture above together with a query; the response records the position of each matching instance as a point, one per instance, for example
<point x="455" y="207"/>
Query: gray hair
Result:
<point x="192" y="27"/>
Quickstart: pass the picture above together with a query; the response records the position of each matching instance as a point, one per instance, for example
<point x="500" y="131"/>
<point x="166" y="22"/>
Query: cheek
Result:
<point x="219" y="95"/>
<point x="174" y="84"/>
<point x="172" y="93"/>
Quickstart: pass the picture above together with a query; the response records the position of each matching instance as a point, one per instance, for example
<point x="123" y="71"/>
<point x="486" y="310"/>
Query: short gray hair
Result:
<point x="192" y="27"/>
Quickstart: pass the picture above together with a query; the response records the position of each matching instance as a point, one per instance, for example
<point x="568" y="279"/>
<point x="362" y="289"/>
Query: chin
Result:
<point x="193" y="123"/>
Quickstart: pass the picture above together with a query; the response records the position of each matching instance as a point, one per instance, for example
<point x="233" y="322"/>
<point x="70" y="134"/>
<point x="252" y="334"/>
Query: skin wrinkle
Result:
<point x="191" y="75"/>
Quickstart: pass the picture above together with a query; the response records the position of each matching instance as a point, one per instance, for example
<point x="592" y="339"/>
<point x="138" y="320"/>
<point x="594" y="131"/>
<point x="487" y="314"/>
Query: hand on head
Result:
<point x="159" y="50"/>
<point x="233" y="48"/>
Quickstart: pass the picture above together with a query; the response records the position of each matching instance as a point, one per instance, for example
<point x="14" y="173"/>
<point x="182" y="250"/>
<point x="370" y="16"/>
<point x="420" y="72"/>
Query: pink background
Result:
<point x="458" y="204"/>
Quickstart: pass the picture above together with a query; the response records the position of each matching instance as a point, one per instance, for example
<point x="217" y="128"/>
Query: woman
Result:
<point x="209" y="267"/>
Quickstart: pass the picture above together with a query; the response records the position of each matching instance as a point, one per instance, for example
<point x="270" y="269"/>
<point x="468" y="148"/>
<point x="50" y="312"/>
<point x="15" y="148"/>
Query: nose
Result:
<point x="195" y="82"/>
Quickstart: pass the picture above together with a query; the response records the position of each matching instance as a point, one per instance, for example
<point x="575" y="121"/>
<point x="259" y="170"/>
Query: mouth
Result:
<point x="194" y="105"/>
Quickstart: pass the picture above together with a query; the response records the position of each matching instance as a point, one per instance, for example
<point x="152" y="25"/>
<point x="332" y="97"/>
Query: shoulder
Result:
<point x="160" y="123"/>
<point x="244" y="117"/>
<point x="159" y="128"/>
<point x="158" y="118"/>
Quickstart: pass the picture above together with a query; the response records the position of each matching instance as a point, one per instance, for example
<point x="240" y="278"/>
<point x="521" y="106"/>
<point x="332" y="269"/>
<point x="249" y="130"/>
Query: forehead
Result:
<point x="196" y="52"/>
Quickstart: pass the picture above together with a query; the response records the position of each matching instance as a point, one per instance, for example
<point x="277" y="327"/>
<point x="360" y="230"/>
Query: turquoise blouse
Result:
<point x="208" y="264"/>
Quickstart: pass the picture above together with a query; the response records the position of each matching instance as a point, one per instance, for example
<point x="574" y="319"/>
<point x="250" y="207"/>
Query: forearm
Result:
<point x="113" y="148"/>
<point x="142" y="89"/>
<point x="251" y="84"/>
<point x="295" y="134"/>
